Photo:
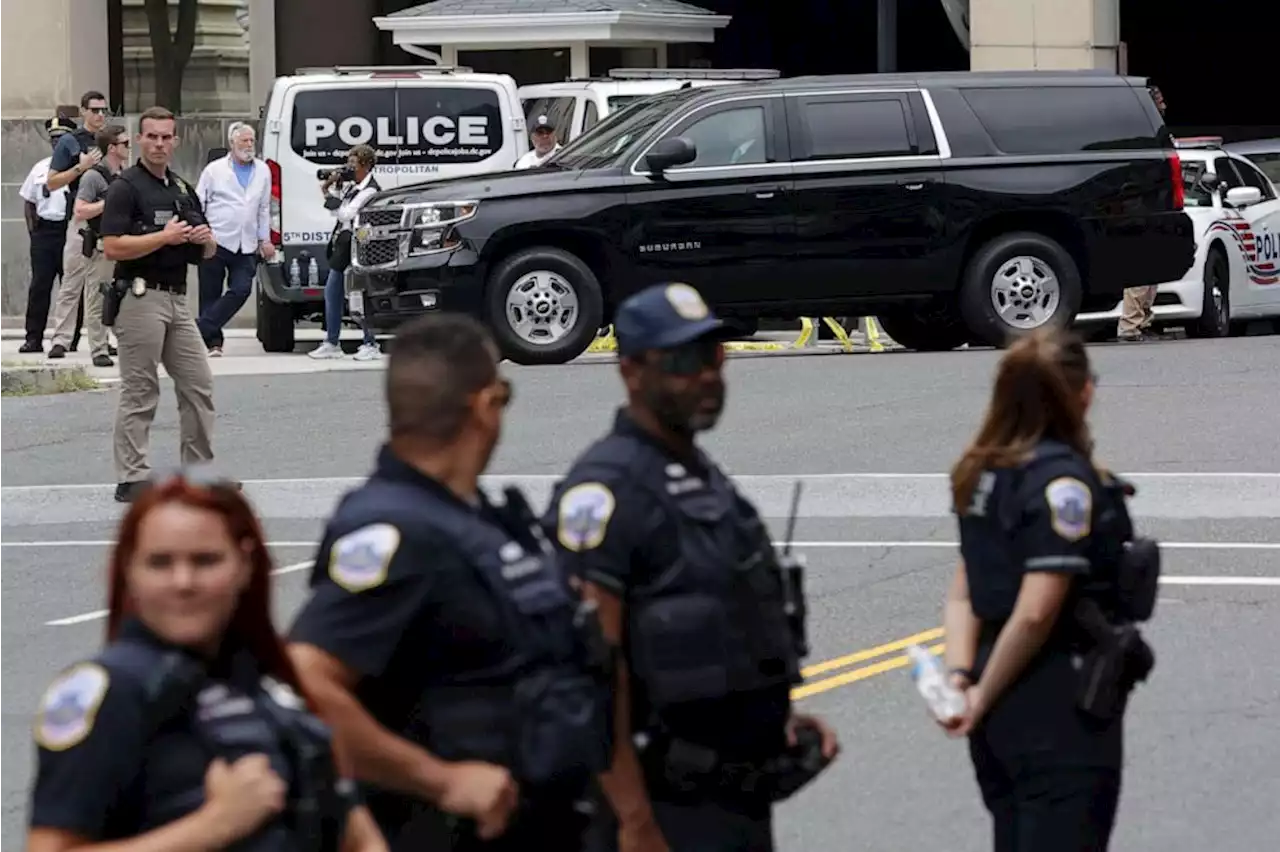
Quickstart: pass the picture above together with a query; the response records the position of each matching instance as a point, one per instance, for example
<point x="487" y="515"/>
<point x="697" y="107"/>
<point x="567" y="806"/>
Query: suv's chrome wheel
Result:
<point x="541" y="308"/>
<point x="1025" y="292"/>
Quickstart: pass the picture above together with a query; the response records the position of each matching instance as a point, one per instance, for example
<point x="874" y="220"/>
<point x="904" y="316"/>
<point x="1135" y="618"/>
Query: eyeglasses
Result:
<point x="99" y="110"/>
<point x="690" y="359"/>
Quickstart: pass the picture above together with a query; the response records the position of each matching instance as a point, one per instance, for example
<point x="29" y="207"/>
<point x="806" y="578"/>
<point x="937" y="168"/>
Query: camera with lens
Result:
<point x="343" y="173"/>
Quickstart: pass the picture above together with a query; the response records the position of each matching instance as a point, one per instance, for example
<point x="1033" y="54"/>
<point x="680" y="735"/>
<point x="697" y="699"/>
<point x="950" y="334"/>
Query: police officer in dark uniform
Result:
<point x="1040" y="619"/>
<point x="467" y="682"/>
<point x="186" y="729"/>
<point x="709" y="621"/>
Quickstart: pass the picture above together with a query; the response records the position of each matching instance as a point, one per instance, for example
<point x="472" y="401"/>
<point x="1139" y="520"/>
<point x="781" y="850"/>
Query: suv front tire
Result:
<point x="545" y="306"/>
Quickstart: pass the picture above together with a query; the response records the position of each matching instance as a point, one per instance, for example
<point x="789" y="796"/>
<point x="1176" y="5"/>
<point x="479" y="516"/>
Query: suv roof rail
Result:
<point x="694" y="74"/>
<point x="385" y="70"/>
<point x="1193" y="142"/>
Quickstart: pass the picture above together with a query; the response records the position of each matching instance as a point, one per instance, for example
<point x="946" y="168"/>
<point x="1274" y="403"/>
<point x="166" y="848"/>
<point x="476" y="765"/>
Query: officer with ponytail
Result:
<point x="1041" y="617"/>
<point x="189" y="730"/>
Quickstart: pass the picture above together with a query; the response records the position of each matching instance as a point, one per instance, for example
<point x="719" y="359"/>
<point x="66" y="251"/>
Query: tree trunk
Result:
<point x="171" y="51"/>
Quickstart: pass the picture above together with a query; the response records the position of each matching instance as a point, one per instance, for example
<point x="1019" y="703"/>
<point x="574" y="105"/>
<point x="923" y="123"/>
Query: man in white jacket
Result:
<point x="235" y="192"/>
<point x="544" y="142"/>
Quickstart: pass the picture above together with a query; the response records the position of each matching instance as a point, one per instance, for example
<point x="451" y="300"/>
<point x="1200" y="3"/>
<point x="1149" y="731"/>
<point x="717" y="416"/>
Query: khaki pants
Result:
<point x="1135" y="311"/>
<point x="81" y="274"/>
<point x="157" y="328"/>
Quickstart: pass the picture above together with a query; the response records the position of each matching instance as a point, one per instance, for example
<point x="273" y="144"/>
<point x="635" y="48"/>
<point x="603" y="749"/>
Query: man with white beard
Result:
<point x="235" y="192"/>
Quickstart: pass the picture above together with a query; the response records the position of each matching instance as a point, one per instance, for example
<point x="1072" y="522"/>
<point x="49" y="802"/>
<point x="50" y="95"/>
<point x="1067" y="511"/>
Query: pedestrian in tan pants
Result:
<point x="1135" y="313"/>
<point x="85" y="275"/>
<point x="154" y="228"/>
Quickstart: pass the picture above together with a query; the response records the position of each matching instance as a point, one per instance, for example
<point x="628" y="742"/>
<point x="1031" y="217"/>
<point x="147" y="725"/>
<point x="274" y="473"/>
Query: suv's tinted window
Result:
<point x="1062" y="119"/>
<point x="559" y="110"/>
<point x="734" y="137"/>
<point x="1269" y="163"/>
<point x="855" y="128"/>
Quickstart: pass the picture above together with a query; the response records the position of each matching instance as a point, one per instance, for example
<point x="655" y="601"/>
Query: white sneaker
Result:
<point x="368" y="352"/>
<point x="326" y="350"/>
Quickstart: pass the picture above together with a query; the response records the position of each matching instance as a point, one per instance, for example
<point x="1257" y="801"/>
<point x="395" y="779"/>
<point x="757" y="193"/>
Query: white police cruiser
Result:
<point x="578" y="104"/>
<point x="1236" y="275"/>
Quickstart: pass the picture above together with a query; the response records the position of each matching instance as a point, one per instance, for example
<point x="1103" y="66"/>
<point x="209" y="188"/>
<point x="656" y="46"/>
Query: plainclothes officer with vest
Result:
<point x="153" y="228"/>
<point x="681" y="565"/>
<point x="1040" y="619"/>
<point x="465" y="679"/>
<point x="545" y="143"/>
<point x="188" y="731"/>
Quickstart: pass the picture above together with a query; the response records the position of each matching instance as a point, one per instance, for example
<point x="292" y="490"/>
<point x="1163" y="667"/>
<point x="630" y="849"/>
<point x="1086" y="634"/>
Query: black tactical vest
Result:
<point x="715" y="623"/>
<point x="102" y="169"/>
<point x="230" y="722"/>
<point x="543" y="711"/>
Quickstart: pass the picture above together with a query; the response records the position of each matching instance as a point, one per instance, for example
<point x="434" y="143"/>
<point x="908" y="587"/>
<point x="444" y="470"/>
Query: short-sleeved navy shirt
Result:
<point x="640" y="541"/>
<point x="66" y="153"/>
<point x="1043" y="516"/>
<point x="426" y="612"/>
<point x="131" y="211"/>
<point x="102" y="773"/>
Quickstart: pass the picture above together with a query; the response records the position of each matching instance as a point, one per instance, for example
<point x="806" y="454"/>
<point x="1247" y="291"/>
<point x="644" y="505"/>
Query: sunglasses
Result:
<point x="98" y="110"/>
<point x="690" y="359"/>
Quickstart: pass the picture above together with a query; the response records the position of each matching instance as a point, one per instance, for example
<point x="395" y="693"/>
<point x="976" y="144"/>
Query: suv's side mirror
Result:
<point x="676" y="151"/>
<point x="1243" y="196"/>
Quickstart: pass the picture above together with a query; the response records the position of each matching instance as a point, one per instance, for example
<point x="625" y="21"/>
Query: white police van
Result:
<point x="425" y="122"/>
<point x="577" y="105"/>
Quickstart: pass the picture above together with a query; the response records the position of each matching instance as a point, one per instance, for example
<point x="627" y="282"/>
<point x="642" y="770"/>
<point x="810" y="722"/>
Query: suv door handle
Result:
<point x="911" y="185"/>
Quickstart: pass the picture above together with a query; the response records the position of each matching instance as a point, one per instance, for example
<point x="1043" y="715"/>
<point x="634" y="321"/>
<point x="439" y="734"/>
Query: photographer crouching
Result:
<point x="346" y="190"/>
<point x="153" y="228"/>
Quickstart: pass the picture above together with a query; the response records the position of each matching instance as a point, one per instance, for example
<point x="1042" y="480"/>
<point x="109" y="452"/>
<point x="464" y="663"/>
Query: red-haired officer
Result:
<point x="188" y="730"/>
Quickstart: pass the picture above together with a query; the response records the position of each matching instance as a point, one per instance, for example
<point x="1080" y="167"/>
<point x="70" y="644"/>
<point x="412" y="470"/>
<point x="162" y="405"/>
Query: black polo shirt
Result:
<point x="140" y="203"/>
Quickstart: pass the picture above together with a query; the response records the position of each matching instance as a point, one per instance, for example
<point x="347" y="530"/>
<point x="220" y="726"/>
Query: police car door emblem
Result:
<point x="1070" y="507"/>
<point x="359" y="560"/>
<point x="585" y="510"/>
<point x="70" y="705"/>
<point x="687" y="302"/>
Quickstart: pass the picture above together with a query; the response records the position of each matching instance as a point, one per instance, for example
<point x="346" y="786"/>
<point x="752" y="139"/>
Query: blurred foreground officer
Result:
<point x="467" y="683"/>
<point x="682" y="567"/>
<point x="1040" y="617"/>
<point x="153" y="228"/>
<point x="186" y="731"/>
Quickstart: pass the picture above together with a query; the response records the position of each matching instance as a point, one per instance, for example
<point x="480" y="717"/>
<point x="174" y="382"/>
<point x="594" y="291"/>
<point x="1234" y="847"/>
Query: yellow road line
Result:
<point x="871" y="653"/>
<point x="846" y="678"/>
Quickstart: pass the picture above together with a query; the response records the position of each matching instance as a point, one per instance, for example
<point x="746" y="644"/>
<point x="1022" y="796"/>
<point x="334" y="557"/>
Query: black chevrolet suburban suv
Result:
<point x="954" y="207"/>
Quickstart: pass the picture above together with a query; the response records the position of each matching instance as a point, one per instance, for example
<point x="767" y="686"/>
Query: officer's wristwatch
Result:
<point x="968" y="675"/>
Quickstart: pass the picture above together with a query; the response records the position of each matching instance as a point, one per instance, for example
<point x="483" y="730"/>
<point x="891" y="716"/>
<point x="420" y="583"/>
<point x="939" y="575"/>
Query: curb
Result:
<point x="40" y="380"/>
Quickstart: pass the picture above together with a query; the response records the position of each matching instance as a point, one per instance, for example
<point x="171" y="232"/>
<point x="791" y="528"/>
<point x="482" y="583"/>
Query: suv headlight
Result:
<point x="431" y="225"/>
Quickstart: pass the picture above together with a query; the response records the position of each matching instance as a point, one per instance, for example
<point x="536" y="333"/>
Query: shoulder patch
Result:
<point x="584" y="513"/>
<point x="1070" y="507"/>
<point x="70" y="706"/>
<point x="360" y="560"/>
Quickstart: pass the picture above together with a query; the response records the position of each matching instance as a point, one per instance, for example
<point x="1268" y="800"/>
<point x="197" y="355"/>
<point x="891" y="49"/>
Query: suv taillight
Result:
<point x="1175" y="170"/>
<point x="276" y="236"/>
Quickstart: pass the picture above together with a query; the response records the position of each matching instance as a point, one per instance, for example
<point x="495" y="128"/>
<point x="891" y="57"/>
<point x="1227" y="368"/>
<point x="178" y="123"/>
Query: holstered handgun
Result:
<point x="113" y="293"/>
<point x="88" y="241"/>
<point x="1119" y="659"/>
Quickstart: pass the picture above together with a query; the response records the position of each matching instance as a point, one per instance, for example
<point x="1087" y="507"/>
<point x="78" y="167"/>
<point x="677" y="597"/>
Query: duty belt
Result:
<point x="147" y="284"/>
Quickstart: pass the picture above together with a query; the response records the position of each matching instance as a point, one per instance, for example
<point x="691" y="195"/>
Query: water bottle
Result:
<point x="944" y="700"/>
<point x="313" y="273"/>
<point x="294" y="277"/>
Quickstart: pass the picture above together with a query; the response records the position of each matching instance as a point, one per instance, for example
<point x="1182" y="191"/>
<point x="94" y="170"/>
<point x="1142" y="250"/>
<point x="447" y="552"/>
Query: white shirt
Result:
<point x="52" y="206"/>
<point x="240" y="217"/>
<point x="353" y="199"/>
<point x="532" y="159"/>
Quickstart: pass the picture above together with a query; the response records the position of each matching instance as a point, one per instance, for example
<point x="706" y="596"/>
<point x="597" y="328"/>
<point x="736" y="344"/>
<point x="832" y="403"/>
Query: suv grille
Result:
<point x="380" y="251"/>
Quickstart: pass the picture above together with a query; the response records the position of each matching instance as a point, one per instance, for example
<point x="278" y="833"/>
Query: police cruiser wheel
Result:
<point x="1215" y="316"/>
<point x="1017" y="283"/>
<point x="545" y="306"/>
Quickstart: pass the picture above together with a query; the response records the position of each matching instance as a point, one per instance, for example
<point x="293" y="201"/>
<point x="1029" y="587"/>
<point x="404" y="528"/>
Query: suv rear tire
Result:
<point x="543" y="283"/>
<point x="275" y="324"/>
<point x="1034" y="279"/>
<point x="923" y="332"/>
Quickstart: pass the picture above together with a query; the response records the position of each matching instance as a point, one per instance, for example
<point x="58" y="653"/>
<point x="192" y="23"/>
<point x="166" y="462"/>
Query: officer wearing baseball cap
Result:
<point x="664" y="543"/>
<point x="545" y="143"/>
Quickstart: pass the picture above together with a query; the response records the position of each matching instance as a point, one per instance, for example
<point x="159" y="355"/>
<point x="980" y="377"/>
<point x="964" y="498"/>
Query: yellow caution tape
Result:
<point x="607" y="342"/>
<point x="604" y="342"/>
<point x="873" y="335"/>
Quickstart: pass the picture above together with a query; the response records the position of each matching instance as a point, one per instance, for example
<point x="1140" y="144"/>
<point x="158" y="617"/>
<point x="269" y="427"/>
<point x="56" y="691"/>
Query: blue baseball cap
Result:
<point x="662" y="317"/>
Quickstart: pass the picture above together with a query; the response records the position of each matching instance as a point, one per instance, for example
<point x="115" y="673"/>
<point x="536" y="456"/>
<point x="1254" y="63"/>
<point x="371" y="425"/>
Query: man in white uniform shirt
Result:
<point x="235" y="192"/>
<point x="46" y="215"/>
<point x="544" y="142"/>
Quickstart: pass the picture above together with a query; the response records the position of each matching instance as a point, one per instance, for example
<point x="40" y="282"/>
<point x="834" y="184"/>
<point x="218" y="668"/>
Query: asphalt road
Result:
<point x="871" y="435"/>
